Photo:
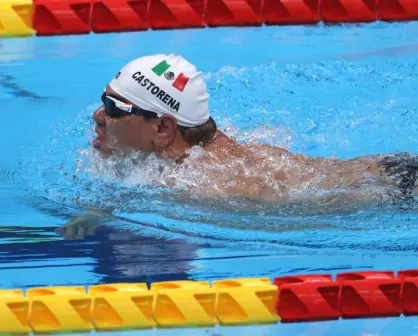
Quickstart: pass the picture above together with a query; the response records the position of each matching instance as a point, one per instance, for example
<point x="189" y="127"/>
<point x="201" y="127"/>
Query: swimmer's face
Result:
<point x="126" y="132"/>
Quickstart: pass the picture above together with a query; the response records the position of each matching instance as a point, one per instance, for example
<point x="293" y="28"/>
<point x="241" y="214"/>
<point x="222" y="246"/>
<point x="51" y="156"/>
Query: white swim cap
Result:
<point x="165" y="84"/>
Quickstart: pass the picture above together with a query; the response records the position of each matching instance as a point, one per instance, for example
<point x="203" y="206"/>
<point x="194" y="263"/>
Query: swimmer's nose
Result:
<point x="99" y="116"/>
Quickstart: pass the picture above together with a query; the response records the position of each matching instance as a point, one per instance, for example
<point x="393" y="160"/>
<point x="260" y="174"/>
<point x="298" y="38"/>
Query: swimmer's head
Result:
<point x="154" y="102"/>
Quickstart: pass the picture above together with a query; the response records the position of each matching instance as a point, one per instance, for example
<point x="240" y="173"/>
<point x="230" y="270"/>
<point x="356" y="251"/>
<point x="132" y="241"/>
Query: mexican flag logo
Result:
<point x="180" y="81"/>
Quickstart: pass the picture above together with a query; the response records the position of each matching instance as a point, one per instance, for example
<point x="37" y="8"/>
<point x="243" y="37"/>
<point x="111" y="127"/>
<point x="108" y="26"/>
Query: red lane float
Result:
<point x="348" y="10"/>
<point x="397" y="9"/>
<point x="290" y="12"/>
<point x="233" y="13"/>
<point x="168" y="14"/>
<point x="409" y="293"/>
<point x="119" y="15"/>
<point x="307" y="298"/>
<point x="64" y="17"/>
<point x="369" y="294"/>
<point x="59" y="17"/>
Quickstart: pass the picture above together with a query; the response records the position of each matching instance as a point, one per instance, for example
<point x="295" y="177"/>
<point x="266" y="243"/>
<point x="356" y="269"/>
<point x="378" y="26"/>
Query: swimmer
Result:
<point x="159" y="104"/>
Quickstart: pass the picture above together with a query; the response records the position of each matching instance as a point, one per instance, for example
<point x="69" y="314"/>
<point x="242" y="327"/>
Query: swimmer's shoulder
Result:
<point x="223" y="147"/>
<point x="229" y="145"/>
<point x="265" y="148"/>
<point x="220" y="140"/>
<point x="221" y="136"/>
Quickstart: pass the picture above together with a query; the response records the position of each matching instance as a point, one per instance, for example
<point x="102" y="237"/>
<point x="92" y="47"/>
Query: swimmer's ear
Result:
<point x="166" y="130"/>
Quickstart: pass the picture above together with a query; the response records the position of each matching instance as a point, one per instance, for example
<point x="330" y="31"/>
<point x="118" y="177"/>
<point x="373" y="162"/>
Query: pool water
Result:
<point x="329" y="91"/>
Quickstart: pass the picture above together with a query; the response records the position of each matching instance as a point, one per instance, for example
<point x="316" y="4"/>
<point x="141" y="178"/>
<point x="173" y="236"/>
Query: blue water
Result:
<point x="342" y="91"/>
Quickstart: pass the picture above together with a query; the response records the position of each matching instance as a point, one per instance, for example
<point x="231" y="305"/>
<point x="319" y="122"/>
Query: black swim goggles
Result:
<point x="114" y="108"/>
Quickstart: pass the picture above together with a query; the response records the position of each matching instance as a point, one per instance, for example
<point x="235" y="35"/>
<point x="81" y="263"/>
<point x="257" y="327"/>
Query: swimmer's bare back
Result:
<point x="270" y="173"/>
